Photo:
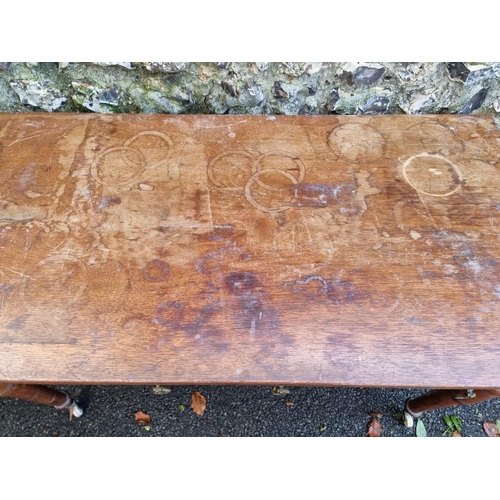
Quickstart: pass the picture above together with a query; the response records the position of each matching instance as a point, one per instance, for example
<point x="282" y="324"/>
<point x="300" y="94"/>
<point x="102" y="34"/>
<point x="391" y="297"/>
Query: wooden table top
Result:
<point x="338" y="250"/>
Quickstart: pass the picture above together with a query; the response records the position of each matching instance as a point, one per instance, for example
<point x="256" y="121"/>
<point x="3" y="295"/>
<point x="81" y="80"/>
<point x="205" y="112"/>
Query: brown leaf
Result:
<point x="71" y="413"/>
<point x="491" y="429"/>
<point x="142" y="418"/>
<point x="376" y="414"/>
<point x="198" y="403"/>
<point x="374" y="428"/>
<point x="456" y="434"/>
<point x="289" y="403"/>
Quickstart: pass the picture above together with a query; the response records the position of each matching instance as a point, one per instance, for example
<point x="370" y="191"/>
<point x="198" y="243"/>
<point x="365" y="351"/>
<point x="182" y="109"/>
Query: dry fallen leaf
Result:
<point x="376" y="414"/>
<point x="280" y="391"/>
<point x="142" y="418"/>
<point x="456" y="434"/>
<point x="289" y="403"/>
<point x="491" y="429"/>
<point x="198" y="403"/>
<point x="158" y="389"/>
<point x="374" y="428"/>
<point x="71" y="413"/>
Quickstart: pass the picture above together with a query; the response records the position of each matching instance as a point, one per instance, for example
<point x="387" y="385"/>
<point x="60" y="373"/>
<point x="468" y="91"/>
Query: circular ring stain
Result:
<point x="356" y="143"/>
<point x="270" y="197"/>
<point x="118" y="166"/>
<point x="232" y="169"/>
<point x="433" y="175"/>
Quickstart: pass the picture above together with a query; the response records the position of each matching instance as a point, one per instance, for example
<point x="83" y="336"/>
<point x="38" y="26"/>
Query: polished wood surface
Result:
<point x="346" y="250"/>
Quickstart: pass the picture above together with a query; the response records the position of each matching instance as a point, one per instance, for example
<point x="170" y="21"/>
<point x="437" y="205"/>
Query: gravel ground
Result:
<point x="234" y="411"/>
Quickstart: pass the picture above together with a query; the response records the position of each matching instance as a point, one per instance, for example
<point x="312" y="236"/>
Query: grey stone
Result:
<point x="185" y="98"/>
<point x="109" y="96"/>
<point x="250" y="96"/>
<point x="127" y="65"/>
<point x="418" y="102"/>
<point x="488" y="73"/>
<point x="305" y="109"/>
<point x="165" y="67"/>
<point x="229" y="89"/>
<point x="414" y="72"/>
<point x="295" y="69"/>
<point x="366" y="76"/>
<point x="346" y="77"/>
<point x="333" y="98"/>
<point x="375" y="106"/>
<point x="164" y="104"/>
<point x="458" y="71"/>
<point x="95" y="99"/>
<point x="474" y="103"/>
<point x="279" y="91"/>
<point x="39" y="94"/>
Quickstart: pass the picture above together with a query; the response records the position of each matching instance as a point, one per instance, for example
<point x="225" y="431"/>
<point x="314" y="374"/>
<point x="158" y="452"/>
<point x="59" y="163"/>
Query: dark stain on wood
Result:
<point x="109" y="201"/>
<point x="156" y="270"/>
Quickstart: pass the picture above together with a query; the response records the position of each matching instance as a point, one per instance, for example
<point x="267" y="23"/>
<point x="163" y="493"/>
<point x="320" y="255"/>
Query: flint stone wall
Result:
<point x="254" y="88"/>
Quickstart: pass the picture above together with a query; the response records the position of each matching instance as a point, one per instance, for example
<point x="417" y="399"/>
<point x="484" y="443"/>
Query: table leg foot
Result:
<point x="407" y="419"/>
<point x="41" y="394"/>
<point x="75" y="410"/>
<point x="445" y="398"/>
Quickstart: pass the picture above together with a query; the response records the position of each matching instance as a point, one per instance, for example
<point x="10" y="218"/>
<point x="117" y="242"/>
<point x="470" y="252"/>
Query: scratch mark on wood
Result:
<point x="72" y="372"/>
<point x="5" y="276"/>
<point x="229" y="125"/>
<point x="306" y="226"/>
<point x="15" y="272"/>
<point x="88" y="196"/>
<point x="209" y="205"/>
<point x="41" y="134"/>
<point x="427" y="210"/>
<point x="372" y="204"/>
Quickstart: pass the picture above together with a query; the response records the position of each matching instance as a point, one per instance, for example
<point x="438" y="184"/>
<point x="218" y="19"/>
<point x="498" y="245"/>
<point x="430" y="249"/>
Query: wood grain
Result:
<point x="359" y="251"/>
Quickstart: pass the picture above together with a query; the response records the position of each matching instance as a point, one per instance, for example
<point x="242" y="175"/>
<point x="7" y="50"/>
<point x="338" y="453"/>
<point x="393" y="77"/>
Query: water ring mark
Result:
<point x="253" y="180"/>
<point x="55" y="283"/>
<point x="356" y="143"/>
<point x="110" y="166"/>
<point x="156" y="270"/>
<point x="231" y="170"/>
<point x="273" y="161"/>
<point x="155" y="155"/>
<point x="431" y="177"/>
<point x="431" y="135"/>
<point x="170" y="314"/>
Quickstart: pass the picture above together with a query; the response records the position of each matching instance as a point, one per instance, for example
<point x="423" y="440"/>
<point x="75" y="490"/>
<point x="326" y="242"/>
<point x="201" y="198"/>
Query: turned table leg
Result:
<point x="40" y="394"/>
<point x="445" y="398"/>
